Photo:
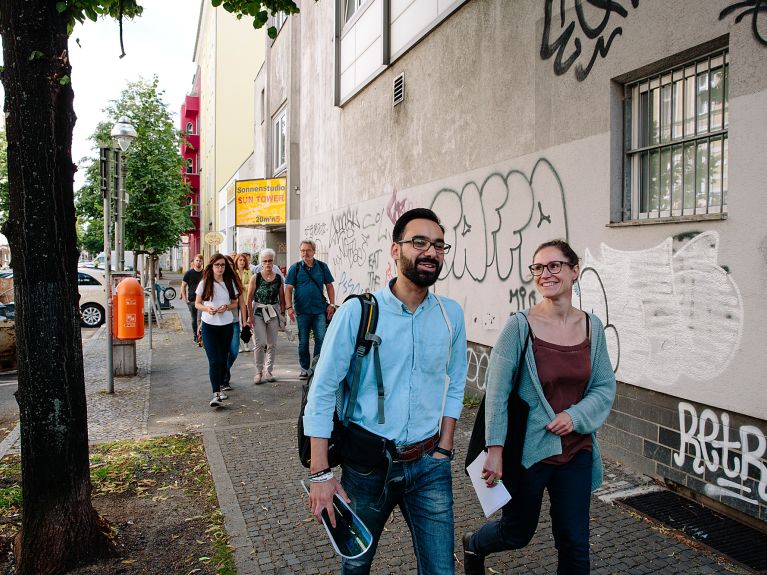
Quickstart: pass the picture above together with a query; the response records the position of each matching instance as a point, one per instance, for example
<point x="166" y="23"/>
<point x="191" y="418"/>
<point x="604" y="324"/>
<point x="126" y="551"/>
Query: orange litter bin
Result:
<point x="130" y="310"/>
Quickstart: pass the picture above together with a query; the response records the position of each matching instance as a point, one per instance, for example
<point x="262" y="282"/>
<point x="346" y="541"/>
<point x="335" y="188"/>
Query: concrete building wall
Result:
<point x="230" y="53"/>
<point x="239" y="56"/>
<point x="514" y="136"/>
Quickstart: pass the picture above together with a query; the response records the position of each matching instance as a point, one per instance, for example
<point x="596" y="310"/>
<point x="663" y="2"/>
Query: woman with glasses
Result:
<point x="266" y="300"/>
<point x="217" y="299"/>
<point x="568" y="382"/>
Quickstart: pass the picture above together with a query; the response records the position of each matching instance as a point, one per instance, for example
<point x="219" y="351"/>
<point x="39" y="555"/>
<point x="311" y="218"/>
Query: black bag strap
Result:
<point x="366" y="339"/>
<point x="520" y="363"/>
<point x="314" y="281"/>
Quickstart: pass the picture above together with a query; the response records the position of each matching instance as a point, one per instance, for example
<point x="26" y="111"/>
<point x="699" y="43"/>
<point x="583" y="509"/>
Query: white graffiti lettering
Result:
<point x="708" y="437"/>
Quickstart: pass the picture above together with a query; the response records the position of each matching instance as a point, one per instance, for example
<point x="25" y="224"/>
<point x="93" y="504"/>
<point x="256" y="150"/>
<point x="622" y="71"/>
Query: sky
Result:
<point x="159" y="42"/>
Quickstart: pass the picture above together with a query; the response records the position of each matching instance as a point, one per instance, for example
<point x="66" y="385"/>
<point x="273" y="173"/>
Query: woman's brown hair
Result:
<point x="231" y="281"/>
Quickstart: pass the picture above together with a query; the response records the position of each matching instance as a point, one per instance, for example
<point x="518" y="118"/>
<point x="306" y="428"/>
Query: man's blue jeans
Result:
<point x="317" y="323"/>
<point x="234" y="351"/>
<point x="569" y="487"/>
<point x="424" y="492"/>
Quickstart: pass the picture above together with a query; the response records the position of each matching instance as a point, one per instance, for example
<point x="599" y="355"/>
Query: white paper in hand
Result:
<point x="491" y="498"/>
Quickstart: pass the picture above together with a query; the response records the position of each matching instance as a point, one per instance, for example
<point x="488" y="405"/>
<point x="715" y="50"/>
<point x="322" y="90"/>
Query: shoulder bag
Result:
<point x="517" y="413"/>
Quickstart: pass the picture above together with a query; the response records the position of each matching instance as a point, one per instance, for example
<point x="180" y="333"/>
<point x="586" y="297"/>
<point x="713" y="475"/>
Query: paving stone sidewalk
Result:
<point x="251" y="445"/>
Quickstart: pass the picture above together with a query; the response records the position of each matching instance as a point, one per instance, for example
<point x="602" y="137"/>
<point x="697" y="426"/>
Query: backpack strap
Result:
<point x="366" y="338"/>
<point x="449" y="354"/>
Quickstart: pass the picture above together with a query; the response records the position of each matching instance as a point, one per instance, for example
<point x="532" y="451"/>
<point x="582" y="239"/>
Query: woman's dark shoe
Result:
<point x="473" y="564"/>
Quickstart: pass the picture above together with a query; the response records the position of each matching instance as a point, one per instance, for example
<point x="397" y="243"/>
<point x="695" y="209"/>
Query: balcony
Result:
<point x="191" y="106"/>
<point x="191" y="145"/>
<point x="193" y="180"/>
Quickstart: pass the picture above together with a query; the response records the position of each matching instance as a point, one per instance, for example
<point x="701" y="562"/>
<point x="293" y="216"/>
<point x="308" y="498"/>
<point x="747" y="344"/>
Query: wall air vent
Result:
<point x="399" y="89"/>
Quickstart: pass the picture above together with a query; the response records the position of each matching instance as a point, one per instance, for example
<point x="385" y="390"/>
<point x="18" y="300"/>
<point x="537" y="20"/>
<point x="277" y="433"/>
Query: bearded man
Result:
<point x="423" y="364"/>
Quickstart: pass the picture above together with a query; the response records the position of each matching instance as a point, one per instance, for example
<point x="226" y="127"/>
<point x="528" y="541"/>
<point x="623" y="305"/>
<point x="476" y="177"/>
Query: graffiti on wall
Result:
<point x="755" y="9"/>
<point x="495" y="227"/>
<point x="714" y="445"/>
<point x="596" y="27"/>
<point x="670" y="311"/>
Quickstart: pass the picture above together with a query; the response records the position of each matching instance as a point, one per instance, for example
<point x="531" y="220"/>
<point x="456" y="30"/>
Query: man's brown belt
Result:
<point x="414" y="451"/>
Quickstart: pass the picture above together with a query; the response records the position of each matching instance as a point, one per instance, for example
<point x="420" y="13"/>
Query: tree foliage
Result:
<point x="157" y="214"/>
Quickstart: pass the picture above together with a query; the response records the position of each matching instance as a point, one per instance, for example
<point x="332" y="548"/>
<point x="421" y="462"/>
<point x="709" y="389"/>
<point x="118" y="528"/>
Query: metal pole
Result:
<point x="119" y="207"/>
<point x="151" y="297"/>
<point x="105" y="190"/>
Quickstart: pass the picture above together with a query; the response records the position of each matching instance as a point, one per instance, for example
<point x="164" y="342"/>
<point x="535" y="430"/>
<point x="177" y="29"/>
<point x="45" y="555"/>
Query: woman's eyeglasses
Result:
<point x="221" y="265"/>
<point x="554" y="267"/>
<point x="266" y="261"/>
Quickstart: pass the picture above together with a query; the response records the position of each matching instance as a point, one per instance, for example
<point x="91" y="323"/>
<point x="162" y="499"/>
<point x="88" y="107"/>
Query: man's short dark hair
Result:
<point x="409" y="216"/>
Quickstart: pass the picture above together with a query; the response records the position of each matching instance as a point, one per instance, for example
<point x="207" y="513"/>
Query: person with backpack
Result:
<point x="266" y="300"/>
<point x="306" y="303"/>
<point x="409" y="402"/>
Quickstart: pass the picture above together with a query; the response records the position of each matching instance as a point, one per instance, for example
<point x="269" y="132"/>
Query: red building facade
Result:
<point x="190" y="146"/>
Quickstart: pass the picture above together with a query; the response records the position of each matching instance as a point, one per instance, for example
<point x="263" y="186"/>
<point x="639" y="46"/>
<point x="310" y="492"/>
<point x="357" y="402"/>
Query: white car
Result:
<point x="93" y="296"/>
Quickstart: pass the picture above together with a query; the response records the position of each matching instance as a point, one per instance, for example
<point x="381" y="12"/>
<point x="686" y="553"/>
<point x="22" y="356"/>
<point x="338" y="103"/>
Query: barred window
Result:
<point x="676" y="140"/>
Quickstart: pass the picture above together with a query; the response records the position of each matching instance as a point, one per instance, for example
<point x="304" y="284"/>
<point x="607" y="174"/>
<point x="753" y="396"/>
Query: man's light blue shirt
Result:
<point x="414" y="358"/>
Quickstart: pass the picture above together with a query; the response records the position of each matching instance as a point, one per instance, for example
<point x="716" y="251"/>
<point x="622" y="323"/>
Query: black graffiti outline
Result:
<point x="602" y="47"/>
<point x="753" y="7"/>
<point x="542" y="216"/>
<point x="449" y="264"/>
<point x="607" y="324"/>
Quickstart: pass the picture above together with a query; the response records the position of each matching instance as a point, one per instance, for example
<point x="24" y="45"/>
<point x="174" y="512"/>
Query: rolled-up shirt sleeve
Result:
<point x="332" y="367"/>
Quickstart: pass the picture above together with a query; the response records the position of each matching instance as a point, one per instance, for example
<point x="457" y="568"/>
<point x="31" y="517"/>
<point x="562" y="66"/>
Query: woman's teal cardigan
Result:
<point x="588" y="415"/>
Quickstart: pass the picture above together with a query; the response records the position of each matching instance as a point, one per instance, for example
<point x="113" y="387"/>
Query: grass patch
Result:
<point x="156" y="470"/>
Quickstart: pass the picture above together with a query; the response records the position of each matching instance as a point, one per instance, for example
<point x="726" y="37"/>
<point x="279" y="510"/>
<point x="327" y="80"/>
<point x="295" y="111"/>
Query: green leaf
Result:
<point x="271" y="31"/>
<point x="65" y="80"/>
<point x="61" y="6"/>
<point x="36" y="55"/>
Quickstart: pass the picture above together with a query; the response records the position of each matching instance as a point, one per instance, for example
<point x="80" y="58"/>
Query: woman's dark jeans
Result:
<point x="569" y="487"/>
<point x="217" y="339"/>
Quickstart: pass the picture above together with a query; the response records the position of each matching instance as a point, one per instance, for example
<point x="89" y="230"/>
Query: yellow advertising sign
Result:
<point x="261" y="202"/>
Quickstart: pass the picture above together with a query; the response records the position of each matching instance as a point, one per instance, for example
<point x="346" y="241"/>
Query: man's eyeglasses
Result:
<point x="554" y="267"/>
<point x="422" y="244"/>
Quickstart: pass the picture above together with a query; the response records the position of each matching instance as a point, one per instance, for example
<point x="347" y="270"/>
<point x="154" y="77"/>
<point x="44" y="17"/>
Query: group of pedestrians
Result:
<point x="233" y="296"/>
<point x="398" y="444"/>
<point x="565" y="378"/>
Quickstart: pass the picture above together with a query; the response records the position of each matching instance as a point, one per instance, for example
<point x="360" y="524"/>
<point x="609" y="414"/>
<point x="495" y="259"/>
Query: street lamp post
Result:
<point x="122" y="133"/>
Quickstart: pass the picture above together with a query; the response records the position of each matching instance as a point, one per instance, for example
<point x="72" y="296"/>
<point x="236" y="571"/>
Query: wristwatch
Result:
<point x="449" y="453"/>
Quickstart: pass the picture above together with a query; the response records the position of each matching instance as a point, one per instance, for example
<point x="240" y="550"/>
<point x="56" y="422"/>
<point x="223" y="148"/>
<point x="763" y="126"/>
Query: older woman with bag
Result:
<point x="568" y="382"/>
<point x="266" y="302"/>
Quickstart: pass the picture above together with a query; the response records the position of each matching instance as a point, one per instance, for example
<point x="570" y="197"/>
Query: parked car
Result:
<point x="93" y="296"/>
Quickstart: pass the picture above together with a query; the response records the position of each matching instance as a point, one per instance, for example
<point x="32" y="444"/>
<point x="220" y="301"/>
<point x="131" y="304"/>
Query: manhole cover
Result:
<point x="739" y="542"/>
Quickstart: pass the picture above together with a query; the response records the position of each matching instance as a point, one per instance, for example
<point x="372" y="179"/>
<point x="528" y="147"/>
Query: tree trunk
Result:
<point x="60" y="528"/>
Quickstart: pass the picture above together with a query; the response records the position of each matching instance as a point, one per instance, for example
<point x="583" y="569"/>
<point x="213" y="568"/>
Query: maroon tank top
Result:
<point x="564" y="371"/>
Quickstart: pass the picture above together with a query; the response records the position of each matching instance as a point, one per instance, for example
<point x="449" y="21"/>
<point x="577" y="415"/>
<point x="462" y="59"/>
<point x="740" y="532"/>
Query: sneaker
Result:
<point x="194" y="339"/>
<point x="259" y="379"/>
<point x="216" y="401"/>
<point x="222" y="395"/>
<point x="303" y="375"/>
<point x="473" y="564"/>
<point x="226" y="387"/>
<point x="270" y="377"/>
